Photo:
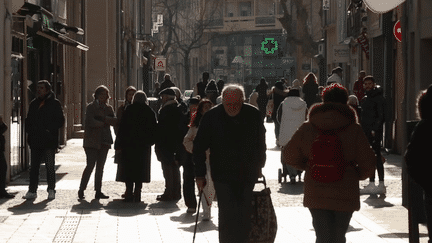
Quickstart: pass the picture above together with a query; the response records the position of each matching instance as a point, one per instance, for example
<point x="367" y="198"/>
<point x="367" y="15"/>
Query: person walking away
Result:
<point x="44" y="119"/>
<point x="372" y="120"/>
<point x="291" y="115"/>
<point x="279" y="95"/>
<point x="235" y="134"/>
<point x="253" y="98"/>
<point x="212" y="91"/>
<point x="262" y="99"/>
<point x="97" y="140"/>
<point x="167" y="83"/>
<point x="354" y="103"/>
<point x="208" y="191"/>
<point x="331" y="195"/>
<point x="335" y="77"/>
<point x="188" y="166"/>
<point x="169" y="138"/>
<point x="3" y="164"/>
<point x="199" y="88"/>
<point x="417" y="157"/>
<point x="358" y="89"/>
<point x="310" y="89"/>
<point x="296" y="84"/>
<point x="136" y="135"/>
<point x="220" y="85"/>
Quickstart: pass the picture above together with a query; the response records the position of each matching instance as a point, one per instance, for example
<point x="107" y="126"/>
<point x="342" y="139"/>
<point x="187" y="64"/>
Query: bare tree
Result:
<point x="302" y="37"/>
<point x="187" y="28"/>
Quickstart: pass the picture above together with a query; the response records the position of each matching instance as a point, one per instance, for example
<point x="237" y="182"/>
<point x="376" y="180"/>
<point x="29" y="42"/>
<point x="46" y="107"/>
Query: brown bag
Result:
<point x="263" y="218"/>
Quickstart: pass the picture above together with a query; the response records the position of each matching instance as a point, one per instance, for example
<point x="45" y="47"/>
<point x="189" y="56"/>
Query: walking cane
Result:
<point x="196" y="220"/>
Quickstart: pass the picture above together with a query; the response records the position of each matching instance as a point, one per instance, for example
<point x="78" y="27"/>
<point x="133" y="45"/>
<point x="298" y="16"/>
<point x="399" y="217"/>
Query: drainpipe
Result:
<point x="83" y="64"/>
<point x="7" y="76"/>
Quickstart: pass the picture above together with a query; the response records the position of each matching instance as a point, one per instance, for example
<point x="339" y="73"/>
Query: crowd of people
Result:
<point x="219" y="139"/>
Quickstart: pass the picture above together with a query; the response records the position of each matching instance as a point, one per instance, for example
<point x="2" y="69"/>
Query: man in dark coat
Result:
<point x="199" y="89"/>
<point x="235" y="134"/>
<point x="170" y="136"/>
<point x="372" y="120"/>
<point x="167" y="83"/>
<point x="134" y="139"/>
<point x="44" y="119"/>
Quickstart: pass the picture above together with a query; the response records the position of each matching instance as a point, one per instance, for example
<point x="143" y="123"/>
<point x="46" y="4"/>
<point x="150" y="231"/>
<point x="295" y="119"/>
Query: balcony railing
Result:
<point x="265" y="21"/>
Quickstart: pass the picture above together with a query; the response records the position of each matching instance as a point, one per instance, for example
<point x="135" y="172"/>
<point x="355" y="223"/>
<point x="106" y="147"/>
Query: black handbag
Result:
<point x="263" y="222"/>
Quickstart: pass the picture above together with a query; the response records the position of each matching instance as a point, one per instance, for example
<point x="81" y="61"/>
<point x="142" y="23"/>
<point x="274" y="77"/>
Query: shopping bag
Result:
<point x="263" y="218"/>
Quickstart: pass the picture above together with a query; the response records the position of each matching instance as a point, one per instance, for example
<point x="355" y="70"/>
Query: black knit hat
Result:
<point x="167" y="91"/>
<point x="194" y="101"/>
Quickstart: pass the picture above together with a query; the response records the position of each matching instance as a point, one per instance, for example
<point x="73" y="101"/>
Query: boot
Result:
<point x="137" y="194"/>
<point x="381" y="189"/>
<point x="129" y="196"/>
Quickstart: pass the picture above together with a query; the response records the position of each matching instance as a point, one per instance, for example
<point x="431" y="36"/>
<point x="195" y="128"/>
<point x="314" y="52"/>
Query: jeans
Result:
<point x="330" y="226"/>
<point x="235" y="209"/>
<point x="189" y="182"/>
<point x="375" y="142"/>
<point x="37" y="156"/>
<point x="3" y="170"/>
<point x="95" y="157"/>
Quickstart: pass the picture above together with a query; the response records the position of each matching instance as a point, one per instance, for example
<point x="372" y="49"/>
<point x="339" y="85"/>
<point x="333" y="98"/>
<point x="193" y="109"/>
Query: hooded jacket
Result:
<point x="44" y="119"/>
<point x="341" y="195"/>
<point x="373" y="110"/>
<point x="293" y="114"/>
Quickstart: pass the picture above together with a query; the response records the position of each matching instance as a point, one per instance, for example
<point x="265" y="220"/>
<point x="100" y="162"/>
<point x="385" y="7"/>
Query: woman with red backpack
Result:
<point x="333" y="150"/>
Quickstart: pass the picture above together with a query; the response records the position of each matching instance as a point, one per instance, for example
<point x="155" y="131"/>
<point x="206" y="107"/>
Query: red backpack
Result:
<point x="328" y="163"/>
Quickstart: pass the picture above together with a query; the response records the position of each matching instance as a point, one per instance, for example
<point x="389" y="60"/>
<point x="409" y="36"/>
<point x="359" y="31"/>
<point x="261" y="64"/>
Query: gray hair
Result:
<point x="238" y="88"/>
<point x="140" y="97"/>
<point x="352" y="100"/>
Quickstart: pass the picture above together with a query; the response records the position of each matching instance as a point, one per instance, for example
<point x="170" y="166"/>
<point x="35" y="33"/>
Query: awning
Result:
<point x="61" y="38"/>
<point x="46" y="27"/>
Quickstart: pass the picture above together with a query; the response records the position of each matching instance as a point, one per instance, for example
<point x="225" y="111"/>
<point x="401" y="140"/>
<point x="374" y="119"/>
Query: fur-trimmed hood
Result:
<point x="329" y="116"/>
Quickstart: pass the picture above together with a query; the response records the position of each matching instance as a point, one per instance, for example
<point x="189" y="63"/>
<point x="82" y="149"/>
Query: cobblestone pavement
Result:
<point x="67" y="219"/>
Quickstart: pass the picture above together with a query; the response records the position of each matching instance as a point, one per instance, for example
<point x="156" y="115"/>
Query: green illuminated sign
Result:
<point x="266" y="43"/>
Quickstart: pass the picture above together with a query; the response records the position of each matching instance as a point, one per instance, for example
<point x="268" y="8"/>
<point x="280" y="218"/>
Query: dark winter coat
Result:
<point x="97" y="125"/>
<point x="170" y="132"/>
<point x="3" y="129"/>
<point x="341" y="195"/>
<point x="278" y="96"/>
<point x="237" y="145"/>
<point x="262" y="99"/>
<point x="43" y="123"/>
<point x="166" y="84"/>
<point x="310" y="91"/>
<point x="373" y="110"/>
<point x="417" y="155"/>
<point x="136" y="135"/>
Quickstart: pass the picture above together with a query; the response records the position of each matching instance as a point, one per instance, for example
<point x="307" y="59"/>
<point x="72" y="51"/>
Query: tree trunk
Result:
<point x="186" y="67"/>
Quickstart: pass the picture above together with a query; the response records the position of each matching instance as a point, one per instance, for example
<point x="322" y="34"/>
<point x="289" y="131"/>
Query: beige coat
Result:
<point x="341" y="195"/>
<point x="95" y="128"/>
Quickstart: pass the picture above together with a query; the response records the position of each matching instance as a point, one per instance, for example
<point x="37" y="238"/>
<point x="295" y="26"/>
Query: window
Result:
<point x="245" y="9"/>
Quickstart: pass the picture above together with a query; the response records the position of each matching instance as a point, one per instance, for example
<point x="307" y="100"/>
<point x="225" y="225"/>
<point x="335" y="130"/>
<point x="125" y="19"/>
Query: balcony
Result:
<point x="242" y="23"/>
